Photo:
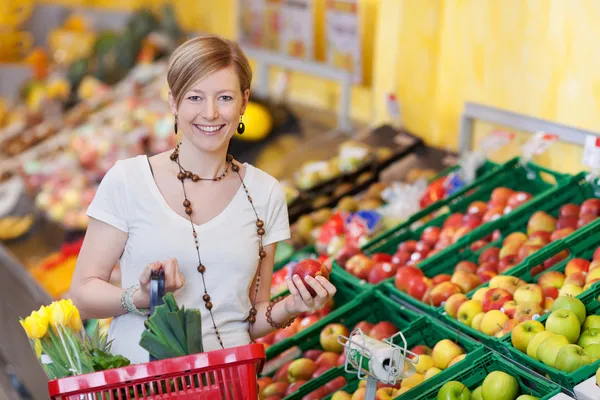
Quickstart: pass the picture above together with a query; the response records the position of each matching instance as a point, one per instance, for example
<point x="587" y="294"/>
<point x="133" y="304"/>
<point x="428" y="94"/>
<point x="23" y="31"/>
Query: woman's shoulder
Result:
<point x="126" y="168"/>
<point x="260" y="177"/>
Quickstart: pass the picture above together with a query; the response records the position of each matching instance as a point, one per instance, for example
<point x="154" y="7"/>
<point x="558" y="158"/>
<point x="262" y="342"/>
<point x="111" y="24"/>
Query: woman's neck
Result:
<point x="203" y="164"/>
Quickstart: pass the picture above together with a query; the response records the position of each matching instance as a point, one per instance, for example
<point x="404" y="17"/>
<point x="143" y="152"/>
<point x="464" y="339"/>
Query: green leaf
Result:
<point x="176" y="322"/>
<point x="161" y="321"/>
<point x="157" y="348"/>
<point x="193" y="329"/>
<point x="169" y="300"/>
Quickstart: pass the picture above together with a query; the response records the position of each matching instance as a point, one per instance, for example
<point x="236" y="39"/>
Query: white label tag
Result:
<point x="538" y="144"/>
<point x="591" y="152"/>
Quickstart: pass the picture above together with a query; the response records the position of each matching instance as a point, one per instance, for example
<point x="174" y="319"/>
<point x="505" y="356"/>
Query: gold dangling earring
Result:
<point x="241" y="127"/>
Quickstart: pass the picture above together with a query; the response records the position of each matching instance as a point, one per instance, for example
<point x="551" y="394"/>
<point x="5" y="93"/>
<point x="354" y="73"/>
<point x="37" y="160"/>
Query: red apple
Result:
<point x="577" y="279"/>
<point x="509" y="308"/>
<point x="590" y="206"/>
<point x="383" y="330"/>
<point x="550" y="292"/>
<point x="466" y="266"/>
<point x="596" y="255"/>
<point x="293" y="388"/>
<point x="593" y="265"/>
<point x="453" y="303"/>
<point x="334" y="385"/>
<point x="541" y="221"/>
<point x="510" y="249"/>
<point x="493" y="214"/>
<point x="515" y="237"/>
<point x="365" y="327"/>
<point x="545" y="238"/>
<point x="577" y="265"/>
<point x="342" y="359"/>
<point x="409" y="246"/>
<point x="501" y="195"/>
<point x="461" y="232"/>
<point x="313" y="354"/>
<point x="486" y="276"/>
<point x="401" y="258"/>
<point x="282" y="373"/>
<point x="403" y="276"/>
<point x="526" y="250"/>
<point x="285" y="333"/>
<point x="380" y="272"/>
<point x="417" y="286"/>
<point x="441" y="278"/>
<point x="517" y="199"/>
<point x="422" y="350"/>
<point x="472" y="220"/>
<point x="359" y="266"/>
<point x="431" y="235"/>
<point x="316" y="394"/>
<point x="495" y="298"/>
<point x="466" y="281"/>
<point x="569" y="210"/>
<point x="442" y="292"/>
<point x="561" y="233"/>
<point x="552" y="279"/>
<point x="489" y="254"/>
<point x="346" y="253"/>
<point x="310" y="267"/>
<point x="567" y="222"/>
<point x="538" y="269"/>
<point x="488" y="266"/>
<point x="585" y="219"/>
<point x="527" y="312"/>
<point x="381" y="257"/>
<point x="477" y="208"/>
<point x="454" y="220"/>
<point x="320" y="371"/>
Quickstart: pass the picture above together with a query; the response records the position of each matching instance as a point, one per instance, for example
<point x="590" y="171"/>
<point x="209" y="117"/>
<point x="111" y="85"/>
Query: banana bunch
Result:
<point x="12" y="227"/>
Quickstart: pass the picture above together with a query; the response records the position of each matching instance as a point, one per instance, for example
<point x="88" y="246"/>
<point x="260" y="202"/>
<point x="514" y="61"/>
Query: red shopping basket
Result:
<point x="228" y="374"/>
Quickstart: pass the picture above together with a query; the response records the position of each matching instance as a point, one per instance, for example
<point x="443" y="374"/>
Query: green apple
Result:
<point x="572" y="357"/>
<point x="590" y="336"/>
<point x="572" y="304"/>
<point x="550" y="347"/>
<point x="524" y="332"/>
<point x="591" y="322"/>
<point x="499" y="385"/>
<point x="593" y="350"/>
<point x="476" y="395"/>
<point x="566" y="323"/>
<point x="527" y="397"/>
<point x="454" y="390"/>
<point x="534" y="343"/>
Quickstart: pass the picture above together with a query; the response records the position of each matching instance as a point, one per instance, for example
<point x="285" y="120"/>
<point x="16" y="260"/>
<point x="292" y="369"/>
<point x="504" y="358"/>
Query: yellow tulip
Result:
<point x="76" y="323"/>
<point x="60" y="312"/>
<point x="36" y="325"/>
<point x="37" y="345"/>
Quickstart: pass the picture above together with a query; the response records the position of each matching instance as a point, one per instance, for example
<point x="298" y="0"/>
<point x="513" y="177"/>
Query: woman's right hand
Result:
<point x="174" y="280"/>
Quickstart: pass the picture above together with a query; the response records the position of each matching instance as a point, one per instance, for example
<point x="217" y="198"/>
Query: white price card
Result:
<point x="344" y="37"/>
<point x="251" y="22"/>
<point x="591" y="152"/>
<point x="297" y="28"/>
<point x="538" y="144"/>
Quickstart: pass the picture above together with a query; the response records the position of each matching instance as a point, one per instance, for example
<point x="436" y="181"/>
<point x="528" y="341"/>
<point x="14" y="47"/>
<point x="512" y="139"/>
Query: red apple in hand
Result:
<point x="310" y="267"/>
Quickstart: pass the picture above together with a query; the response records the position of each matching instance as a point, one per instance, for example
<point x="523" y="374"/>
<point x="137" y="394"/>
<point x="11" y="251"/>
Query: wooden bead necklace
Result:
<point x="182" y="176"/>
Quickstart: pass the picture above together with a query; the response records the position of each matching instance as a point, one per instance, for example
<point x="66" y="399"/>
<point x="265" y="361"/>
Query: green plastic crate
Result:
<point x="531" y="178"/>
<point x="474" y="375"/>
<point x="426" y="331"/>
<point x="567" y="380"/>
<point x="345" y="295"/>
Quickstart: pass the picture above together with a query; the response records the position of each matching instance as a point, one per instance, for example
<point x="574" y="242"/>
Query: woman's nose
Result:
<point x="210" y="111"/>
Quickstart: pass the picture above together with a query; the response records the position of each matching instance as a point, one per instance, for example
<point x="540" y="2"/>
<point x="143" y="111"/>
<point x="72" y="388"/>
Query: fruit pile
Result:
<point x="315" y="362"/>
<point x="497" y="309"/>
<point x="497" y="385"/>
<point x="568" y="340"/>
<point x="579" y="275"/>
<point x="444" y="354"/>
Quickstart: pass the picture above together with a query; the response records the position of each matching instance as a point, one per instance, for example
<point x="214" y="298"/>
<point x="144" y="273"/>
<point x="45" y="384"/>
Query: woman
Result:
<point x="210" y="222"/>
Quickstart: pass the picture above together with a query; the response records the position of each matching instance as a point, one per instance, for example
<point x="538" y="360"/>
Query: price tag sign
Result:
<point x="251" y="22"/>
<point x="496" y="140"/>
<point x="538" y="144"/>
<point x="343" y="37"/>
<point x="591" y="152"/>
<point x="297" y="28"/>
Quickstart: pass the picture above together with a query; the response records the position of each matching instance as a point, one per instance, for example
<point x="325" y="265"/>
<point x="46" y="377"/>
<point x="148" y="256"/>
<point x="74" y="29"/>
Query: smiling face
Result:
<point x="209" y="112"/>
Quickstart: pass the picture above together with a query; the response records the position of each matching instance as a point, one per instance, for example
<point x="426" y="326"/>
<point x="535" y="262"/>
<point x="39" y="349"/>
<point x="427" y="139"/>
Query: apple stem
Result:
<point x="461" y="390"/>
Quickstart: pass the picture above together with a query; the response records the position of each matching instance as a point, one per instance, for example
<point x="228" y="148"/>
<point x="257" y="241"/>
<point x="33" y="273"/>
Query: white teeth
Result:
<point x="209" y="128"/>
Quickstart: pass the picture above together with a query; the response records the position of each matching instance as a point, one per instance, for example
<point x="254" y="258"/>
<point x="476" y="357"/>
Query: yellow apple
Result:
<point x="524" y="332"/>
<point x="549" y="348"/>
<point x="570" y="290"/>
<point x="493" y="321"/>
<point x="468" y="310"/>
<point x="425" y="362"/>
<point x="534" y="343"/>
<point x="476" y="324"/>
<point x="457" y="359"/>
<point x="412" y="381"/>
<point x="479" y="294"/>
<point x="444" y="352"/>
<point x="431" y="372"/>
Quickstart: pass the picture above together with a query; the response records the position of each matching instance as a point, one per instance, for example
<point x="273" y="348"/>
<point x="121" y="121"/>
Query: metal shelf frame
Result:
<point x="510" y="119"/>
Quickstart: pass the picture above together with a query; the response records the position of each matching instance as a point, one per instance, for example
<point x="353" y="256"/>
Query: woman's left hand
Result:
<point x="300" y="299"/>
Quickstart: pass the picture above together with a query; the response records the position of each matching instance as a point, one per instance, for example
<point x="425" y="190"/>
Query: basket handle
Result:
<point x="157" y="291"/>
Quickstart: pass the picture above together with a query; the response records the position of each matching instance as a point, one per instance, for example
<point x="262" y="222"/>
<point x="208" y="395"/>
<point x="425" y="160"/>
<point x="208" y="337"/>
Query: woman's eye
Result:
<point x="226" y="98"/>
<point x="194" y="98"/>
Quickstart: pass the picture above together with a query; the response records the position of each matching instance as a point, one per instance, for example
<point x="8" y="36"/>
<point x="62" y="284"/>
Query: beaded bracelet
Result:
<point x="127" y="302"/>
<point x="270" y="320"/>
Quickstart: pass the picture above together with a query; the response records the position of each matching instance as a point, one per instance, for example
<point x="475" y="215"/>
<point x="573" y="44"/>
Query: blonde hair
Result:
<point x="201" y="56"/>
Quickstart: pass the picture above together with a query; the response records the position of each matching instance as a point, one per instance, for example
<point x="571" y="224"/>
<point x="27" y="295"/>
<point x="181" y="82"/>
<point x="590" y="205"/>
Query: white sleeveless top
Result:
<point x="129" y="200"/>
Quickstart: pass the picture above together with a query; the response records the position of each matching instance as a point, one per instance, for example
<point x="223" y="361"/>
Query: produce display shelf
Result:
<point x="424" y="331"/>
<point x="576" y="191"/>
<point x="513" y="174"/>
<point x="474" y="375"/>
<point x="345" y="296"/>
<point x="565" y="379"/>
